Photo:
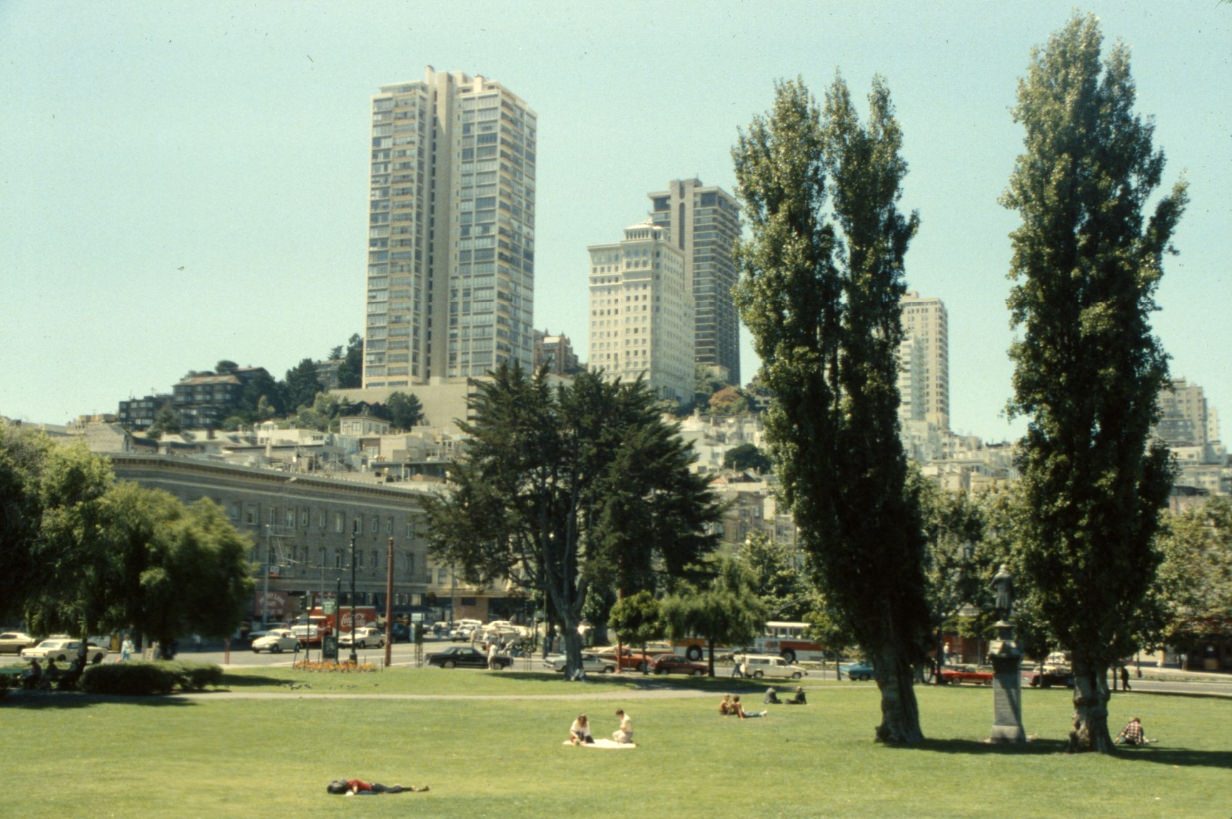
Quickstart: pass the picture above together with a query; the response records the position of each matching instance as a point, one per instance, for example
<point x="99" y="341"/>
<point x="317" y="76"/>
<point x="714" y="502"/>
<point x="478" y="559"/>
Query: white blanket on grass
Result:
<point x="608" y="744"/>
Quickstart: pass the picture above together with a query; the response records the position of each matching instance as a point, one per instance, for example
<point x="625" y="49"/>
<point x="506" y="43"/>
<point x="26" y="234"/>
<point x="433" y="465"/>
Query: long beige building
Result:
<point x="450" y="277"/>
<point x="641" y="312"/>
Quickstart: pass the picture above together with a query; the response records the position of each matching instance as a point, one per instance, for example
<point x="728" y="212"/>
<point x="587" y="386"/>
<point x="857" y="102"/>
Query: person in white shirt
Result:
<point x="623" y="734"/>
<point x="579" y="731"/>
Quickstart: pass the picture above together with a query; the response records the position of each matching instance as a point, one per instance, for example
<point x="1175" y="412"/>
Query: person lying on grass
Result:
<point x="351" y="787"/>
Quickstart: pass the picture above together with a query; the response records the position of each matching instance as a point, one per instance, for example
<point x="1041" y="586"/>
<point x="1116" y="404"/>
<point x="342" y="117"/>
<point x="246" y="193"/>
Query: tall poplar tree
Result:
<point x="1088" y="369"/>
<point x="821" y="279"/>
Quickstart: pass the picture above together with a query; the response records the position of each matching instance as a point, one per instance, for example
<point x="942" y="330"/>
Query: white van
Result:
<point x="770" y="665"/>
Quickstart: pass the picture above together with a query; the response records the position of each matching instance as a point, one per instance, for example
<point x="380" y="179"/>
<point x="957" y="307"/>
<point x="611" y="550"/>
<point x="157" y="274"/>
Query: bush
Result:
<point x="196" y="676"/>
<point x="131" y="679"/>
<point x="143" y="679"/>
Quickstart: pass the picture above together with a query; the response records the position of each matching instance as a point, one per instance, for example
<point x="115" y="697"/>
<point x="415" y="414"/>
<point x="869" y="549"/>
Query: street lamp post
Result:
<point x="354" y="531"/>
<point x="269" y="543"/>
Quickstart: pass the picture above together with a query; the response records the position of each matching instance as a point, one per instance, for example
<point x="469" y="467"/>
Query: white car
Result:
<point x="364" y="636"/>
<point x="591" y="663"/>
<point x="770" y="665"/>
<point x="63" y="650"/>
<point x="276" y="641"/>
<point x="12" y="642"/>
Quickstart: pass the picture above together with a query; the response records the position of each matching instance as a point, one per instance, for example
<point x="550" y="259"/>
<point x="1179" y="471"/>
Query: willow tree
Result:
<point x="1088" y="369"/>
<point x="821" y="279"/>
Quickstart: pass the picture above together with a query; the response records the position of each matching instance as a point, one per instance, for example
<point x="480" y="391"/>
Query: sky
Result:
<point x="185" y="182"/>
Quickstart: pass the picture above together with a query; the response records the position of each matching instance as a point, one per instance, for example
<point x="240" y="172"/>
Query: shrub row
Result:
<point x="141" y="678"/>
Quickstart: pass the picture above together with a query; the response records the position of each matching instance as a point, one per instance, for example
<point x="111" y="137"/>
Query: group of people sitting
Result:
<point x="732" y="707"/>
<point x="772" y="697"/>
<point x="37" y="678"/>
<point x="579" y="731"/>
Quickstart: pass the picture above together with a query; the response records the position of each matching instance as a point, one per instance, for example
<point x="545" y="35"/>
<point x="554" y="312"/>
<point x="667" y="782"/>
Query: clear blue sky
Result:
<point x="184" y="182"/>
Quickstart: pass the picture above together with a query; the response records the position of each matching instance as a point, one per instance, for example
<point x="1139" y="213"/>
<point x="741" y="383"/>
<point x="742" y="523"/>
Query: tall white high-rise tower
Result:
<point x="704" y="222"/>
<point x="451" y="230"/>
<point x="924" y="362"/>
<point x="641" y="313"/>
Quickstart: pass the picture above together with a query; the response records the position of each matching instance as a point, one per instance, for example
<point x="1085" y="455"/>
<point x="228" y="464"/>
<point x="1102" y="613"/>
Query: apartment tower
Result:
<point x="451" y="224"/>
<point x="924" y="362"/>
<point x="704" y="222"/>
<point x="641" y="313"/>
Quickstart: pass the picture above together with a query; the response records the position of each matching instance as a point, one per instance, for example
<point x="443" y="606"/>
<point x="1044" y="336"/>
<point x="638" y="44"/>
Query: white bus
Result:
<point x="785" y="638"/>
<point x="789" y="640"/>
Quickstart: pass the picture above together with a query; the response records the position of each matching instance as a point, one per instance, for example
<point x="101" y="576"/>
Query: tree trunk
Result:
<point x="900" y="714"/>
<point x="1090" y="709"/>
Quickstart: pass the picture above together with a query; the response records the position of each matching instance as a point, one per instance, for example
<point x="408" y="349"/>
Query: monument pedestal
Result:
<point x="1006" y="687"/>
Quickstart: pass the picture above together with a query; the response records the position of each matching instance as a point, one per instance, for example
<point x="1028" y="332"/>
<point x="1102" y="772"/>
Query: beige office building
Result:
<point x="641" y="312"/>
<point x="924" y="362"/>
<point x="704" y="222"/>
<point x="451" y="224"/>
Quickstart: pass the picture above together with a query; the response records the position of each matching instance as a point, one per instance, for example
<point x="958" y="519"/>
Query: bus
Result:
<point x="786" y="638"/>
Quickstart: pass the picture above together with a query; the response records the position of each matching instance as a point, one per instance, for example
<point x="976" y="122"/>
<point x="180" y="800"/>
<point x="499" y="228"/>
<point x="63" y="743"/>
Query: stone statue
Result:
<point x="1003" y="584"/>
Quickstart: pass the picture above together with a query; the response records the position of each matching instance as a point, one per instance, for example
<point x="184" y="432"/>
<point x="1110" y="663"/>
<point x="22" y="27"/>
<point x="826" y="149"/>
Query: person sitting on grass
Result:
<point x="772" y="697"/>
<point x="351" y="787"/>
<point x="1132" y="734"/>
<point x="579" y="731"/>
<point x="623" y="734"/>
<point x="798" y="699"/>
<point x="740" y="712"/>
<point x="726" y="709"/>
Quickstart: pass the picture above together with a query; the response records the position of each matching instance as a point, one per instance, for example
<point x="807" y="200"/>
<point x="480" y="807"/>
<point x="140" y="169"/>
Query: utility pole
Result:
<point x="389" y="603"/>
<point x="354" y="531"/>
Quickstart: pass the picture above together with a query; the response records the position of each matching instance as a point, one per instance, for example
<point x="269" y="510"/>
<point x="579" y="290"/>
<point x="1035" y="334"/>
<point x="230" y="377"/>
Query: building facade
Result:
<point x="450" y="276"/>
<point x="641" y="312"/>
<point x="924" y="362"/>
<point x="704" y="222"/>
<point x="303" y="527"/>
<point x="556" y="353"/>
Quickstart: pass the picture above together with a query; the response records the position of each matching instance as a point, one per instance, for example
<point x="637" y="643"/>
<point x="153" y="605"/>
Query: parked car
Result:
<point x="276" y="641"/>
<point x="957" y="674"/>
<point x="63" y="650"/>
<point x="630" y="660"/>
<point x="1050" y="677"/>
<point x="467" y="657"/>
<point x="363" y="637"/>
<point x="857" y="671"/>
<point x="672" y="664"/>
<point x="12" y="642"/>
<point x="308" y="634"/>
<point x="770" y="665"/>
<point x="591" y="663"/>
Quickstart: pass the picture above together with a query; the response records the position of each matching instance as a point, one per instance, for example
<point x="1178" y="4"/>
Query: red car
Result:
<point x="635" y="661"/>
<point x="671" y="664"/>
<point x="957" y="674"/>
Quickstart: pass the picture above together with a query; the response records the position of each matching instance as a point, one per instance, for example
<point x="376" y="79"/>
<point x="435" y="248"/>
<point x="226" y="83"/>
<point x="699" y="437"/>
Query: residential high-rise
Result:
<point x="924" y="362"/>
<point x="1184" y="418"/>
<point x="704" y="222"/>
<point x="641" y="315"/>
<point x="450" y="231"/>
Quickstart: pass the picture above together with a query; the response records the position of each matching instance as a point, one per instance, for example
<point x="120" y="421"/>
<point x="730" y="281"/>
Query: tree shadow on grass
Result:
<point x="250" y="681"/>
<point x="43" y="700"/>
<point x="1180" y="757"/>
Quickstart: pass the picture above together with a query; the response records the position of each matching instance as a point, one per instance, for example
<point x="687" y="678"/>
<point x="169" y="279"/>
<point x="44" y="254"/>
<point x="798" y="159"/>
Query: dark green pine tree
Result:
<point x="820" y="288"/>
<point x="1088" y="368"/>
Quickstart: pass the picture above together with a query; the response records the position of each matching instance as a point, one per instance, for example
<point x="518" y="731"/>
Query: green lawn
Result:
<point x="489" y="744"/>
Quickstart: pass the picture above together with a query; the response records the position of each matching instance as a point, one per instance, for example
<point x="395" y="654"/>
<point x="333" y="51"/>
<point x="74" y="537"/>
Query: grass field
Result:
<point x="489" y="744"/>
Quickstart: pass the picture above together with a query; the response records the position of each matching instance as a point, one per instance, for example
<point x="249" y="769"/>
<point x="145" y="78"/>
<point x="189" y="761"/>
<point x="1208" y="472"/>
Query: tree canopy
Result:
<point x="570" y="491"/>
<point x="1088" y="369"/>
<point x="821" y="280"/>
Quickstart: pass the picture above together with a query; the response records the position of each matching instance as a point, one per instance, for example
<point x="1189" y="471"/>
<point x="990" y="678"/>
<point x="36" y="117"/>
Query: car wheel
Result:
<point x="62" y="658"/>
<point x="694" y="653"/>
<point x="795" y="675"/>
<point x="607" y="669"/>
<point x="642" y="667"/>
<point x="448" y="664"/>
<point x="276" y="649"/>
<point x="697" y="672"/>
<point x="1045" y="683"/>
<point x="256" y="651"/>
<point x="865" y="677"/>
<point x="757" y="675"/>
